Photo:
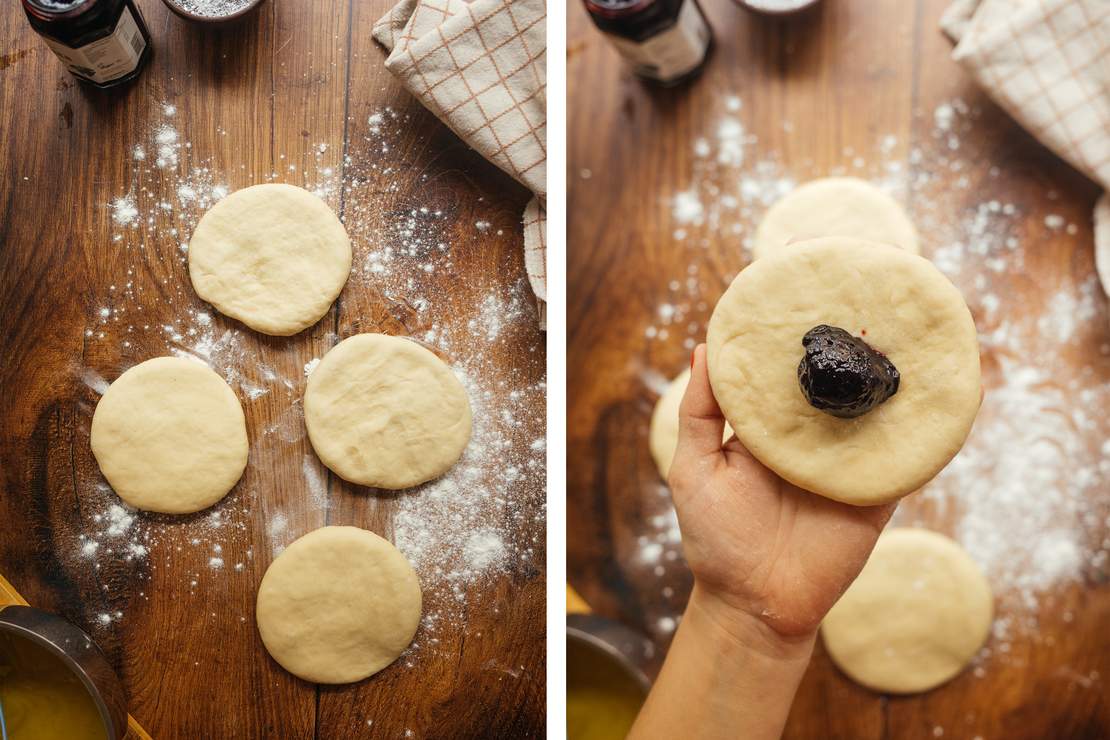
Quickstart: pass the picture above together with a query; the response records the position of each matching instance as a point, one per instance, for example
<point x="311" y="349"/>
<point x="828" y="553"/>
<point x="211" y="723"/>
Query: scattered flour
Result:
<point x="483" y="549"/>
<point x="485" y="517"/>
<point x="119" y="520"/>
<point x="444" y="528"/>
<point x="687" y="207"/>
<point x="124" y="211"/>
<point x="730" y="140"/>
<point x="277" y="525"/>
<point x="167" y="146"/>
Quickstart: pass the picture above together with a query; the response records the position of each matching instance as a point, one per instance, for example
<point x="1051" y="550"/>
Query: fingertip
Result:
<point x="699" y="352"/>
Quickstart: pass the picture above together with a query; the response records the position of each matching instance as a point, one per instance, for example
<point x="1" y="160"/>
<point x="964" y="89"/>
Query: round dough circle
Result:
<point x="272" y="256"/>
<point x="834" y="206"/>
<point x="663" y="433"/>
<point x="169" y="436"/>
<point x="915" y="617"/>
<point x="338" y="605"/>
<point x="385" y="412"/>
<point x="903" y="307"/>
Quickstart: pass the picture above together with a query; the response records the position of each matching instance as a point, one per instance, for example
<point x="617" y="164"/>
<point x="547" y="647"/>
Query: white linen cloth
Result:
<point x="1047" y="62"/>
<point x="480" y="67"/>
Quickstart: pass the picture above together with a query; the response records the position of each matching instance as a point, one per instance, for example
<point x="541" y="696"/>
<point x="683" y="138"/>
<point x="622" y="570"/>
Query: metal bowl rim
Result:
<point x="778" y="12"/>
<point x="611" y="651"/>
<point x="211" y="20"/>
<point x="70" y="663"/>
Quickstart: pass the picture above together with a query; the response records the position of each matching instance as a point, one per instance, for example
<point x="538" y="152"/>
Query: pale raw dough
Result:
<point x="663" y="434"/>
<point x="835" y="206"/>
<point x="917" y="614"/>
<point x="169" y="436"/>
<point x="338" y="605"/>
<point x="1102" y="241"/>
<point x="272" y="256"/>
<point x="385" y="412"/>
<point x="899" y="304"/>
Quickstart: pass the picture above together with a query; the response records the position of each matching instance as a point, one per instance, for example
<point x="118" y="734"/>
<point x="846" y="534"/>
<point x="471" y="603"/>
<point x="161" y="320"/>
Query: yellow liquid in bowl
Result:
<point x="42" y="699"/>
<point x="602" y="699"/>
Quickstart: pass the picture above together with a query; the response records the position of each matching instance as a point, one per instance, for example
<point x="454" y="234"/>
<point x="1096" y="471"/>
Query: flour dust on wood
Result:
<point x="483" y="520"/>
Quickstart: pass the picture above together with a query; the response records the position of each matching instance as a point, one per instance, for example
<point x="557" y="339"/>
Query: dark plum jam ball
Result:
<point x="842" y="375"/>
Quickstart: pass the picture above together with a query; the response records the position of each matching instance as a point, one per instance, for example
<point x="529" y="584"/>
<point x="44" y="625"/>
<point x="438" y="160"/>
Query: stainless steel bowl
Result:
<point x="631" y="651"/>
<point x="79" y="653"/>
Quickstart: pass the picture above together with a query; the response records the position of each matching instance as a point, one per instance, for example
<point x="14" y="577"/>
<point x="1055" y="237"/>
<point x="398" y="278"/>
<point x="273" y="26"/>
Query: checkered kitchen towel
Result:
<point x="481" y="68"/>
<point x="1047" y="62"/>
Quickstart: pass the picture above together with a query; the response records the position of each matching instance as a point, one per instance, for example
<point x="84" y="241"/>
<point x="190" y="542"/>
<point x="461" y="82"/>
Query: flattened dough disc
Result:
<point x="898" y="303"/>
<point x="834" y="206"/>
<point x="663" y="434"/>
<point x="169" y="436"/>
<point x="385" y="412"/>
<point x="915" y="617"/>
<point x="272" y="256"/>
<point x="338" y="605"/>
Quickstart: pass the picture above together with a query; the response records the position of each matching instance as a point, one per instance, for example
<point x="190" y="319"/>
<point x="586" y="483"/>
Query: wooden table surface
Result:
<point x="289" y="95"/>
<point x="852" y="87"/>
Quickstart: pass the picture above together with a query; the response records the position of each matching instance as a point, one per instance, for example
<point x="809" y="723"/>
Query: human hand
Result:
<point x="763" y="551"/>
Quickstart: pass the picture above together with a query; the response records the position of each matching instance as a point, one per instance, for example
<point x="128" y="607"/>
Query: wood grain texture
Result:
<point x="255" y="99"/>
<point x="817" y="90"/>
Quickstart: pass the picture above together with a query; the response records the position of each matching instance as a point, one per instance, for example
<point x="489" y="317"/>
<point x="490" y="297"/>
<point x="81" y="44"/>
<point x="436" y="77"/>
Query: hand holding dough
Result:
<point x="663" y="433"/>
<point x="904" y="308"/>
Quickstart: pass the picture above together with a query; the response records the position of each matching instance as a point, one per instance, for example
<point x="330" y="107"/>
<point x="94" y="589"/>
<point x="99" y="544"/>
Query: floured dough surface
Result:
<point x="663" y="434"/>
<point x="169" y="436"/>
<point x="338" y="605"/>
<point x="385" y="412"/>
<point x="915" y="617"/>
<point x="272" y="256"/>
<point x="1102" y="241"/>
<point x="835" y="206"/>
<point x="902" y="306"/>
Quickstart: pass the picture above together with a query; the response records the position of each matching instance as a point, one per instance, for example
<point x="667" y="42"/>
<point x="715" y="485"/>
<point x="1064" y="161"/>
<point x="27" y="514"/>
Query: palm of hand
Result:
<point x="764" y="545"/>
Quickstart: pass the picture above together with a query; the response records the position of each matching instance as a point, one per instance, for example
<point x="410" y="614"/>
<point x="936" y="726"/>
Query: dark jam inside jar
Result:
<point x="77" y="30"/>
<point x="664" y="41"/>
<point x="636" y="20"/>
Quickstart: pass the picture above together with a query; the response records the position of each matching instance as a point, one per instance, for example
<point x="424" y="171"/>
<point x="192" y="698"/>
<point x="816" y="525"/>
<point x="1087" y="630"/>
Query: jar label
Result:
<point x="106" y="59"/>
<point x="671" y="53"/>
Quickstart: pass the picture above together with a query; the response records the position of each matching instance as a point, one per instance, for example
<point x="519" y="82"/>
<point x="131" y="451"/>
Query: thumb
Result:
<point x="701" y="425"/>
